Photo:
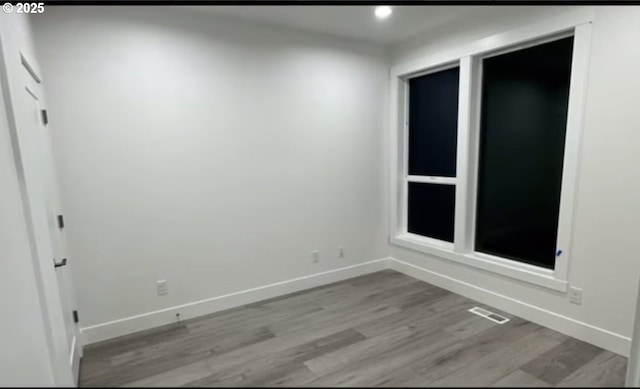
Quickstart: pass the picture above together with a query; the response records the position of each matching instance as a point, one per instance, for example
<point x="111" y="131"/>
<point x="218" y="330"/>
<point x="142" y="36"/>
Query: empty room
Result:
<point x="288" y="195"/>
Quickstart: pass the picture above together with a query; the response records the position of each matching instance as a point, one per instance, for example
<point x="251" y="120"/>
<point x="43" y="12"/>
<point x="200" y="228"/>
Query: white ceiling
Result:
<point x="353" y="21"/>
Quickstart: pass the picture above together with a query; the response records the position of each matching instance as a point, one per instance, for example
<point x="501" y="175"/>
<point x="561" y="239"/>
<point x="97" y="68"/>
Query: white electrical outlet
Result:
<point x="162" y="287"/>
<point x="340" y="252"/>
<point x="315" y="257"/>
<point x="575" y="295"/>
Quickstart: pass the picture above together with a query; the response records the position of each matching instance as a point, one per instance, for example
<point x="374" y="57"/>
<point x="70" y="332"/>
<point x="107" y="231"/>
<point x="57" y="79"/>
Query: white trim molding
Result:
<point x="517" y="270"/>
<point x="145" y="321"/>
<point x="577" y="329"/>
<point x="469" y="59"/>
<point x="598" y="336"/>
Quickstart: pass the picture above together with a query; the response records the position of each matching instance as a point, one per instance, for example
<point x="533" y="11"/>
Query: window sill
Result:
<point x="504" y="267"/>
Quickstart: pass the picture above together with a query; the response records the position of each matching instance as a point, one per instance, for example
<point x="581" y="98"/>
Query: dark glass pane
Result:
<point x="431" y="210"/>
<point x="433" y="123"/>
<point x="524" y="117"/>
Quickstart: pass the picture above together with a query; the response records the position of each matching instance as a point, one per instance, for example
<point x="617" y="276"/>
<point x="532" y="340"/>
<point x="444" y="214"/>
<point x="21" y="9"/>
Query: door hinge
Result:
<point x="45" y="117"/>
<point x="60" y="221"/>
<point x="76" y="319"/>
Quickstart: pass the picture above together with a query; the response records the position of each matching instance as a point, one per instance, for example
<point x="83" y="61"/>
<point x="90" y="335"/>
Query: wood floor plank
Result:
<point x="459" y="355"/>
<point x="264" y="349"/>
<point x="123" y="344"/>
<point x="491" y="367"/>
<point x="215" y="345"/>
<point x="256" y="317"/>
<point x="471" y="326"/>
<point x="154" y="359"/>
<point x="345" y="317"/>
<point x="404" y="377"/>
<point x="388" y="292"/>
<point x="422" y="298"/>
<point x="606" y="369"/>
<point x="381" y="329"/>
<point x="334" y="361"/>
<point x="174" y="377"/>
<point x="293" y="378"/>
<point x="275" y="365"/>
<point x="371" y="370"/>
<point x="562" y="360"/>
<point x="519" y="378"/>
<point x="439" y="312"/>
<point x="117" y="376"/>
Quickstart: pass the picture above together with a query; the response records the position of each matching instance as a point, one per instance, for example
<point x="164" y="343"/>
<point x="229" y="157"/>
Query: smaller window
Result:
<point x="431" y="210"/>
<point x="433" y="124"/>
<point x="432" y="143"/>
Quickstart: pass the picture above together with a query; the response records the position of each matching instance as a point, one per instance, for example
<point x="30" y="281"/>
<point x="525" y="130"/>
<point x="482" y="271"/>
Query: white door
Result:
<point x="42" y="192"/>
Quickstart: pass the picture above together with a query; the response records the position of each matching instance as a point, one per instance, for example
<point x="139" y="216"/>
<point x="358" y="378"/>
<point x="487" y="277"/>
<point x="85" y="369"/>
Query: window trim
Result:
<point x="469" y="58"/>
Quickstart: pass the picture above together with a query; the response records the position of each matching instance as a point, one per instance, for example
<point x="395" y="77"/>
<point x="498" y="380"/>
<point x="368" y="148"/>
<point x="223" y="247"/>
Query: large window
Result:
<point x="525" y="96"/>
<point x="486" y="157"/>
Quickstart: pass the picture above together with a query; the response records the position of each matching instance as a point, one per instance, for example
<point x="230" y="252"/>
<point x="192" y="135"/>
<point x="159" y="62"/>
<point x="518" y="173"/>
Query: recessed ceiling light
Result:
<point x="383" y="11"/>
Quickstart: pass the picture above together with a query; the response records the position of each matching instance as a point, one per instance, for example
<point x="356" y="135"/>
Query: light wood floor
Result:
<point x="382" y="329"/>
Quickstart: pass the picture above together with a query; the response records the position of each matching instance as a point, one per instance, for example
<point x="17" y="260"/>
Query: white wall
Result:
<point x="25" y="354"/>
<point x="212" y="153"/>
<point x="605" y="237"/>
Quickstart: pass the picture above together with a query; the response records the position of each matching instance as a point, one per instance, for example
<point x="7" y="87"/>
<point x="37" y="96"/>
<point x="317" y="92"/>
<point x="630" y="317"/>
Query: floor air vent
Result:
<point x="489" y="315"/>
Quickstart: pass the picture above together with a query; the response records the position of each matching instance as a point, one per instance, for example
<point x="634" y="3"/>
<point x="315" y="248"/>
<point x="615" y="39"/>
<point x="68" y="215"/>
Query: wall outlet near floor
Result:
<point x="340" y="252"/>
<point x="315" y="257"/>
<point x="575" y="295"/>
<point x="162" y="288"/>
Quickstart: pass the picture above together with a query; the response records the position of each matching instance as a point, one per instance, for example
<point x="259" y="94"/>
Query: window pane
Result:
<point x="433" y="123"/>
<point x="524" y="117"/>
<point x="431" y="210"/>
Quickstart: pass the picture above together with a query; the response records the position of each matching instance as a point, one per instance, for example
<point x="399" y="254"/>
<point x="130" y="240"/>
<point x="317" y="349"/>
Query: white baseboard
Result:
<point x="128" y="325"/>
<point x="586" y="332"/>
